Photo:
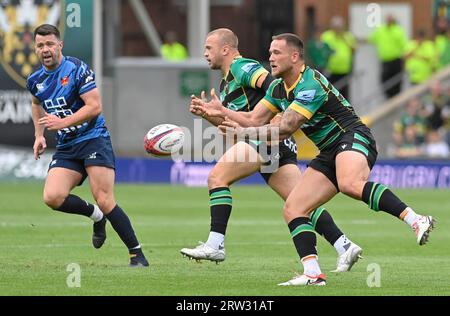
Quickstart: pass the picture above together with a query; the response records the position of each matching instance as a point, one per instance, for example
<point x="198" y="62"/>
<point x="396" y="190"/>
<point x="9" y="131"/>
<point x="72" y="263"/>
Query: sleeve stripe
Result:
<point x="270" y="106"/>
<point x="301" y="110"/>
<point x="88" y="84"/>
<point x="256" y="76"/>
<point x="87" y="88"/>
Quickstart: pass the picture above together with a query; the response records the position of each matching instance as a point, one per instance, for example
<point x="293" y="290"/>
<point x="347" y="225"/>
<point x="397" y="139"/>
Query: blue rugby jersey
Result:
<point x="59" y="92"/>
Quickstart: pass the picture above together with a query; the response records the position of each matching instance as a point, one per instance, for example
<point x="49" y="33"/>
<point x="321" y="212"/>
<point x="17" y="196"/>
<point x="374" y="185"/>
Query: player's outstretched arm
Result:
<point x="92" y="108"/>
<point x="290" y="122"/>
<point x="260" y="115"/>
<point x="38" y="112"/>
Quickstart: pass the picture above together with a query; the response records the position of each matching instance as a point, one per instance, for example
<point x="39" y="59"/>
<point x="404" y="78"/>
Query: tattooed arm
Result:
<point x="290" y="122"/>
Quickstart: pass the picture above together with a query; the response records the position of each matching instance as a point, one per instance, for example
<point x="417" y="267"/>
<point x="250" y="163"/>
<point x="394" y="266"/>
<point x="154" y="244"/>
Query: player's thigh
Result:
<point x="101" y="180"/>
<point x="285" y="179"/>
<point x="352" y="172"/>
<point x="313" y="190"/>
<point x="238" y="162"/>
<point x="59" y="183"/>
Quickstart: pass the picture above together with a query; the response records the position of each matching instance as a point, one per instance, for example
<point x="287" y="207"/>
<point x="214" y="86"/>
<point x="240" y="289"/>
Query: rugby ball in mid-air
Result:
<point x="163" y="140"/>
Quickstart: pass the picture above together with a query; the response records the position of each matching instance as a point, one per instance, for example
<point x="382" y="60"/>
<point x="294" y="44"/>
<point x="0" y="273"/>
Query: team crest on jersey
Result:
<point x="65" y="81"/>
<point x="18" y="19"/>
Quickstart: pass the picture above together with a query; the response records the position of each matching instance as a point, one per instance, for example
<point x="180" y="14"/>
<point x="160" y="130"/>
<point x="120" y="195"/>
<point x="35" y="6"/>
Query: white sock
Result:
<point x="410" y="216"/>
<point x="216" y="240"/>
<point x="341" y="245"/>
<point x="311" y="266"/>
<point x="97" y="215"/>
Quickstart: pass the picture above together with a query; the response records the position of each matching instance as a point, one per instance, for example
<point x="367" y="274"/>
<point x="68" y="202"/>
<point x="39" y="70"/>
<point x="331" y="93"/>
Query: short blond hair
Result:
<point x="226" y="36"/>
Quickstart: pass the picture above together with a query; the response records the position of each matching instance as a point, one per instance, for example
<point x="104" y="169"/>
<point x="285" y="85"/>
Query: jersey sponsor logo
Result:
<point x="18" y="19"/>
<point x="249" y="67"/>
<point x="89" y="78"/>
<point x="61" y="109"/>
<point x="232" y="106"/>
<point x="305" y="96"/>
<point x="290" y="144"/>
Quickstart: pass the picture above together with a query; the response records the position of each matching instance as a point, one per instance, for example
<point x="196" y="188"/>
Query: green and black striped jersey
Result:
<point x="329" y="114"/>
<point x="238" y="90"/>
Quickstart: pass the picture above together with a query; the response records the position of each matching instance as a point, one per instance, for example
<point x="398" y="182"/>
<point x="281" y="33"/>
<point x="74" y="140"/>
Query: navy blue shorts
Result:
<point x="92" y="152"/>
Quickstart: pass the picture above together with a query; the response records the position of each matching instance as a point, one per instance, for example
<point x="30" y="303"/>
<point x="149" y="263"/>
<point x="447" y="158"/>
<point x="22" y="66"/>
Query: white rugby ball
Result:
<point x="163" y="140"/>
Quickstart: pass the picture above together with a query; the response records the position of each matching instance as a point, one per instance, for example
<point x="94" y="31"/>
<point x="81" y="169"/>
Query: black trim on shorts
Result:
<point x="284" y="156"/>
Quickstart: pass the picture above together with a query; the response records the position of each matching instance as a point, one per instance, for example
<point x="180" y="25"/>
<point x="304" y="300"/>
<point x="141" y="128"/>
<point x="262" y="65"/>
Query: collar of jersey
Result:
<point x="57" y="68"/>
<point x="296" y="81"/>
<point x="234" y="59"/>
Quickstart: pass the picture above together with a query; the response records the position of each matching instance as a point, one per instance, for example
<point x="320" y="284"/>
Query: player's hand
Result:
<point x="52" y="122"/>
<point x="213" y="108"/>
<point x="39" y="147"/>
<point x="193" y="108"/>
<point x="230" y="128"/>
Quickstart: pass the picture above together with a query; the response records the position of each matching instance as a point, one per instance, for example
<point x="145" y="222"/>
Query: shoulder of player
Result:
<point x="242" y="60"/>
<point x="309" y="80"/>
<point x="74" y="61"/>
<point x="76" y="64"/>
<point x="240" y="64"/>
<point x="275" y="88"/>
<point x="34" y="77"/>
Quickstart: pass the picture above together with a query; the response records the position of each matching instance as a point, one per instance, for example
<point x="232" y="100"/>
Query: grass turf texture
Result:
<point x="37" y="245"/>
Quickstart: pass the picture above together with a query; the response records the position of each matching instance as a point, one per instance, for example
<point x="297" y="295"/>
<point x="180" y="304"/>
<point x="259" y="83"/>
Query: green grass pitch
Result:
<point x="38" y="244"/>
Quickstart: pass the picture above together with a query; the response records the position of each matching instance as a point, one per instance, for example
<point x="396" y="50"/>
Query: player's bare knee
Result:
<point x="350" y="188"/>
<point x="290" y="212"/>
<point x="217" y="179"/>
<point x="54" y="199"/>
<point x="105" y="201"/>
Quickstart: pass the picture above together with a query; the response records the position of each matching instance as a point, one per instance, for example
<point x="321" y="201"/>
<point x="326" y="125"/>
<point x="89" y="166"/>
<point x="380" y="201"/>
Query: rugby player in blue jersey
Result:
<point x="65" y="99"/>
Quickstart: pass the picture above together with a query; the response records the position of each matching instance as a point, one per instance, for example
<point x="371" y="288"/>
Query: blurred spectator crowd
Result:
<point x="332" y="52"/>
<point x="423" y="130"/>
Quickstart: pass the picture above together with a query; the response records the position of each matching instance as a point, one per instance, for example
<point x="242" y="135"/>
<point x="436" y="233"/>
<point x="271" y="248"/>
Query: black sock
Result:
<point x="75" y="205"/>
<point x="324" y="224"/>
<point x="220" y="202"/>
<point x="302" y="233"/>
<point x="122" y="225"/>
<point x="379" y="198"/>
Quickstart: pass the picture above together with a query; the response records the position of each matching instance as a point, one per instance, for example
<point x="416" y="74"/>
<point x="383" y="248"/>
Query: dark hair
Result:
<point x="292" y="40"/>
<point x="47" y="29"/>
